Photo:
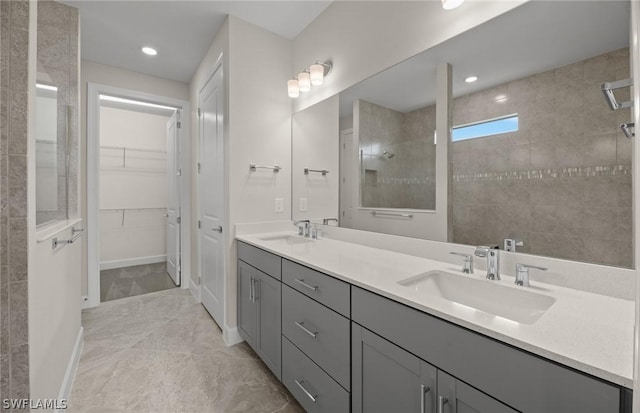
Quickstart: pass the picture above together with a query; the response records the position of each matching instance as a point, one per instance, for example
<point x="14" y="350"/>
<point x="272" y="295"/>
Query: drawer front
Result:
<point x="265" y="261"/>
<point x="519" y="379"/>
<point x="323" y="288"/>
<point x="305" y="380"/>
<point x="319" y="332"/>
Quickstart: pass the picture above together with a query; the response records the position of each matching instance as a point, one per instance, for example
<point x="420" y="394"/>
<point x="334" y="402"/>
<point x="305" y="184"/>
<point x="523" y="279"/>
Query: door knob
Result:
<point x="218" y="229"/>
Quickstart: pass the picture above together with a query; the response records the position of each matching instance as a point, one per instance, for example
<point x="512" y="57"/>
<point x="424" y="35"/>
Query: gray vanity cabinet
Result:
<point x="260" y="312"/>
<point x="387" y="378"/>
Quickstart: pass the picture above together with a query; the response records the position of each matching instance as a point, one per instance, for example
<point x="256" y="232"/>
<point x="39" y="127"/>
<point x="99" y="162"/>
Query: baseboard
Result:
<point x="130" y="262"/>
<point x="231" y="336"/>
<point x="195" y="291"/>
<point x="72" y="367"/>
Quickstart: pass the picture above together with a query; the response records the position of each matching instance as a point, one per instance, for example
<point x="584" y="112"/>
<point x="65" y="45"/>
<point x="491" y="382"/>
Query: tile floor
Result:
<point x="162" y="352"/>
<point x="135" y="280"/>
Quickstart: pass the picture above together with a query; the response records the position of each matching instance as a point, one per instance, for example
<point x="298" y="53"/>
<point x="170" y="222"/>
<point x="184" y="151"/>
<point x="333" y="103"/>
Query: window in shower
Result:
<point x="489" y="127"/>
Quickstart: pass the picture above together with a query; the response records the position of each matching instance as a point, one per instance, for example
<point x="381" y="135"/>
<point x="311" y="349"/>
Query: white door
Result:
<point x="173" y="201"/>
<point x="211" y="189"/>
<point x="346" y="178"/>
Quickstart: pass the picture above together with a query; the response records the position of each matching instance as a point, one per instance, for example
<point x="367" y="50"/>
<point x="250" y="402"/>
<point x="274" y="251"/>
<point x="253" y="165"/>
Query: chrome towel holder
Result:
<point x="253" y="167"/>
<point x="324" y="172"/>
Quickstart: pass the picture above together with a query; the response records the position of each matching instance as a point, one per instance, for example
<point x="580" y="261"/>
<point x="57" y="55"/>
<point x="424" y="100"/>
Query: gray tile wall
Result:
<point x="562" y="183"/>
<point x="407" y="179"/>
<point x="14" y="350"/>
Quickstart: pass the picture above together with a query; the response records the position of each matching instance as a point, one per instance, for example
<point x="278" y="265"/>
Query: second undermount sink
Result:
<point x="490" y="297"/>
<point x="286" y="239"/>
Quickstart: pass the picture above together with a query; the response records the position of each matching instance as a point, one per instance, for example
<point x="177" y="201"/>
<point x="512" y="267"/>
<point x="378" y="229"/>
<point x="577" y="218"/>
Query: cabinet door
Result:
<point x="247" y="308"/>
<point x="268" y="293"/>
<point x="386" y="378"/>
<point x="455" y="396"/>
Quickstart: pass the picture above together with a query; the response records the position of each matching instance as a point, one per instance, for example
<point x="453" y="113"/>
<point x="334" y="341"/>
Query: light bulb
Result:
<point x="316" y="74"/>
<point x="293" y="88"/>
<point x="304" y="81"/>
<point x="451" y="4"/>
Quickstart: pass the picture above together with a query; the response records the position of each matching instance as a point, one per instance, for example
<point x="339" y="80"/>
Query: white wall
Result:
<point x="363" y="38"/>
<point x="143" y="183"/>
<point x="113" y="76"/>
<point x="316" y="145"/>
<point x="54" y="314"/>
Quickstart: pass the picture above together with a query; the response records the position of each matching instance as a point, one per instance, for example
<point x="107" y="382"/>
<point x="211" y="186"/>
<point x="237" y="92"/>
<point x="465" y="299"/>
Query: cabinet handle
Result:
<point x="441" y="402"/>
<point x="306" y="330"/>
<point x="423" y="390"/>
<point x="252" y="290"/>
<point x="301" y="385"/>
<point x="309" y="286"/>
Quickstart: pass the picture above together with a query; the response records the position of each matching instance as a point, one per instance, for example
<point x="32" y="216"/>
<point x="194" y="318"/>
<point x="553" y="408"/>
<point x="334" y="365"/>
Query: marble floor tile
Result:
<point x="162" y="352"/>
<point x="135" y="280"/>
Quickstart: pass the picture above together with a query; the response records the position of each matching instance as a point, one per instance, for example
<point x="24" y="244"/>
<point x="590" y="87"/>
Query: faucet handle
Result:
<point x="510" y="244"/>
<point x="522" y="273"/>
<point x="467" y="266"/>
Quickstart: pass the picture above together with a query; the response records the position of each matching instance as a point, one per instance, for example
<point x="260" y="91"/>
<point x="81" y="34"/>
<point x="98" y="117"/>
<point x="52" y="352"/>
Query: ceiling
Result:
<point x="182" y="31"/>
<point x="533" y="38"/>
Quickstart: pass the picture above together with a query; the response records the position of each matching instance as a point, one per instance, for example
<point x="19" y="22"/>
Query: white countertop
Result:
<point x="590" y="332"/>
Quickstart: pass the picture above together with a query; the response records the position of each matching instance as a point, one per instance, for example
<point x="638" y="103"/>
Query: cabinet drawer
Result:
<point x="522" y="380"/>
<point x="325" y="289"/>
<point x="264" y="261"/>
<point x="305" y="380"/>
<point x="319" y="332"/>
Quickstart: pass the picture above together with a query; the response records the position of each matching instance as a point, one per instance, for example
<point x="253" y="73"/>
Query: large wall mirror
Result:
<point x="536" y="154"/>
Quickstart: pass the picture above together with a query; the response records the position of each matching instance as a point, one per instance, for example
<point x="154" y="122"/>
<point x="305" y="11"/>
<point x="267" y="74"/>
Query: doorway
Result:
<point x="138" y="197"/>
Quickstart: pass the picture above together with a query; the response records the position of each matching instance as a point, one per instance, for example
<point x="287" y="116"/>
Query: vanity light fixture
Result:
<point x="471" y="79"/>
<point x="451" y="4"/>
<point x="318" y="71"/>
<point x="149" y="51"/>
<point x="304" y="81"/>
<point x="313" y="76"/>
<point x="293" y="87"/>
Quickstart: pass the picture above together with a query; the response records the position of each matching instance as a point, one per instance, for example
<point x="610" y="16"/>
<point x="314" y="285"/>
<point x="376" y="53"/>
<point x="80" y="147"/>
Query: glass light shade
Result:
<point x="293" y="88"/>
<point x="451" y="4"/>
<point x="317" y="74"/>
<point x="304" y="82"/>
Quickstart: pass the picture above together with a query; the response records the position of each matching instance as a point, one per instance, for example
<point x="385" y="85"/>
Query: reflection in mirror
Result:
<point x="46" y="153"/>
<point x="394" y="123"/>
<point x="536" y="154"/>
<point x="555" y="172"/>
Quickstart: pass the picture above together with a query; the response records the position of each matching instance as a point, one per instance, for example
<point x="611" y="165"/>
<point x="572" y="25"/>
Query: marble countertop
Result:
<point x="589" y="332"/>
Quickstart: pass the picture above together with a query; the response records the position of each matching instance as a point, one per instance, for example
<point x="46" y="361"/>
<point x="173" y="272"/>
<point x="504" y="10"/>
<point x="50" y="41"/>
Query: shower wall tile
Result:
<point x="563" y="123"/>
<point x="18" y="313"/>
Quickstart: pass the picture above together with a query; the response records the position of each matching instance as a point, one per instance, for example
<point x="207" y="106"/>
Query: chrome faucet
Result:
<point x="467" y="265"/>
<point x="522" y="273"/>
<point x="492" y="254"/>
<point x="305" y="229"/>
<point x="325" y="221"/>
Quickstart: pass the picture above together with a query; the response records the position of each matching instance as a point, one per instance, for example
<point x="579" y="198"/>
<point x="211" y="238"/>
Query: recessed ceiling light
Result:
<point x="471" y="79"/>
<point x="150" y="51"/>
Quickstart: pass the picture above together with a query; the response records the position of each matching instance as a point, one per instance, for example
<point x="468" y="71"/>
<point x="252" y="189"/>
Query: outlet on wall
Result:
<point x="279" y="205"/>
<point x="303" y="205"/>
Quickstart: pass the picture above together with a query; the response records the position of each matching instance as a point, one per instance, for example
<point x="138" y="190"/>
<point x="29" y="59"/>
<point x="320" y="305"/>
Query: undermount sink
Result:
<point x="514" y="304"/>
<point x="286" y="239"/>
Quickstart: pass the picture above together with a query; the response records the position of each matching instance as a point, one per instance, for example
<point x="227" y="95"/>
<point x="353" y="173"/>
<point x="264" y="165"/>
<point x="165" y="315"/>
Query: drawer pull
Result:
<point x="309" y="286"/>
<point x="301" y="385"/>
<point x="306" y="330"/>
<point x="423" y="390"/>
<point x="441" y="402"/>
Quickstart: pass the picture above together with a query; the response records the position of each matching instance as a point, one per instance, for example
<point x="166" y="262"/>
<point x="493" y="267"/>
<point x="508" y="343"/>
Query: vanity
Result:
<point x="347" y="327"/>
